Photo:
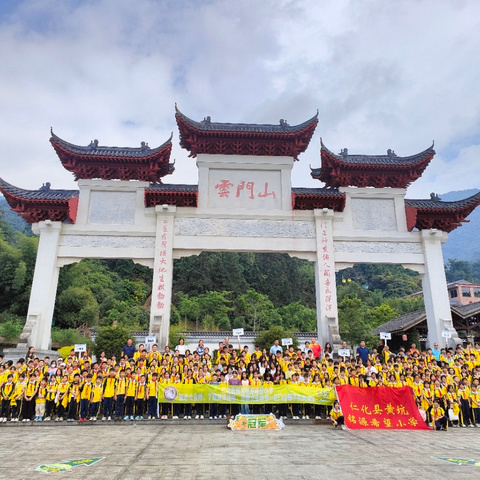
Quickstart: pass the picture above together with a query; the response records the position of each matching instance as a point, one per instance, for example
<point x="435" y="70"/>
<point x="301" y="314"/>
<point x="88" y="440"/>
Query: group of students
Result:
<point x="75" y="389"/>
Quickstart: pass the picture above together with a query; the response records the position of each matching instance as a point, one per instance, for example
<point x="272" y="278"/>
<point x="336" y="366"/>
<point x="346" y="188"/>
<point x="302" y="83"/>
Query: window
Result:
<point x="453" y="293"/>
<point x="476" y="292"/>
<point x="466" y="292"/>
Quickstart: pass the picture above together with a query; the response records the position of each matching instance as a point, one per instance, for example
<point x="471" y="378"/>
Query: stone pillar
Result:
<point x="38" y="327"/>
<point x="435" y="293"/>
<point x="162" y="275"/>
<point x="325" y="286"/>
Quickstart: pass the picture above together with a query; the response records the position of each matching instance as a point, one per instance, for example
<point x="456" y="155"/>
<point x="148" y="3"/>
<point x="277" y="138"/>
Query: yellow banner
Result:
<point x="206" y="393"/>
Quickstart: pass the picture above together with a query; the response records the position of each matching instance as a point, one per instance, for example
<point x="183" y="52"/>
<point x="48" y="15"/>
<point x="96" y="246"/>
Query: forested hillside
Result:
<point x="211" y="291"/>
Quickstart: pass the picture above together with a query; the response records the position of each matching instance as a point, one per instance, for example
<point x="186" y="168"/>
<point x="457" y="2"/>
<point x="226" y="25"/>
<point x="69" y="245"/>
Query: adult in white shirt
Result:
<point x="181" y="347"/>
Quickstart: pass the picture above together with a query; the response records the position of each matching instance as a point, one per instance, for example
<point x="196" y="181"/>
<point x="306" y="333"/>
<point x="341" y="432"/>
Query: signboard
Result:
<point x="385" y="336"/>
<point x="344" y="352"/>
<point x="237" y="332"/>
<point x="287" y="341"/>
<point x="150" y="340"/>
<point x="255" y="422"/>
<point x="379" y="408"/>
<point x="446" y="334"/>
<point x="80" y="347"/>
<point x="67" y="465"/>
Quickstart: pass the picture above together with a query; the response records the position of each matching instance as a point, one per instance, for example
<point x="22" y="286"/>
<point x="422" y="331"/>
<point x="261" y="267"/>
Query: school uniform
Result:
<point x="120" y="391"/>
<point x="96" y="398"/>
<point x="85" y="395"/>
<point x="131" y="390"/>
<point x="6" y="393"/>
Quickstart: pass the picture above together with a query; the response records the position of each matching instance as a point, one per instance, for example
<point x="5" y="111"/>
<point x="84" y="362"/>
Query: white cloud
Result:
<point x="383" y="75"/>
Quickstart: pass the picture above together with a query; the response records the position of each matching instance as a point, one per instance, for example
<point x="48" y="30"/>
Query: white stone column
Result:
<point x="435" y="293"/>
<point x="44" y="286"/>
<point x="162" y="275"/>
<point x="325" y="285"/>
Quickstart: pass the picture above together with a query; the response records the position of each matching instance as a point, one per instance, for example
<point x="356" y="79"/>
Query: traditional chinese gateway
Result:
<point x="243" y="202"/>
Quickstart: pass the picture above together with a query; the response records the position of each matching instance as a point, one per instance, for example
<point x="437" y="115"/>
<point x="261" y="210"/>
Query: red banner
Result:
<point x="379" y="407"/>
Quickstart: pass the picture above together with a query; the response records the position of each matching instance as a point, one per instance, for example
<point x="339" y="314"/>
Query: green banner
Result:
<point x="206" y="393"/>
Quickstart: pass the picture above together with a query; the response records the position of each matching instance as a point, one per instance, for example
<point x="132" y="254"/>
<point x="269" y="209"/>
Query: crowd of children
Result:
<point x="76" y="389"/>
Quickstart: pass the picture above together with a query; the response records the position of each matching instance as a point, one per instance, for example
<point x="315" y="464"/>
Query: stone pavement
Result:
<point x="211" y="451"/>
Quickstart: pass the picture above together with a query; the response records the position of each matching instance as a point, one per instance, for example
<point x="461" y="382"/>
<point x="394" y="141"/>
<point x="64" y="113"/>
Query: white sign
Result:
<point x="385" y="335"/>
<point x="237" y="332"/>
<point x="343" y="352"/>
<point x="80" y="347"/>
<point x="287" y="341"/>
<point x="245" y="189"/>
<point x="446" y="334"/>
<point x="150" y="340"/>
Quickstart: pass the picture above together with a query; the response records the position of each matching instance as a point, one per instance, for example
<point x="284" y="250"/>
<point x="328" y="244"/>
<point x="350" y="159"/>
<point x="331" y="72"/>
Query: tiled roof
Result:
<point x="94" y="149"/>
<point x="391" y="158"/>
<point x="171" y="187"/>
<point x="465" y="311"/>
<point x="401" y="323"/>
<point x="208" y="126"/>
<point x="435" y="204"/>
<point x="330" y="192"/>
<point x="44" y="193"/>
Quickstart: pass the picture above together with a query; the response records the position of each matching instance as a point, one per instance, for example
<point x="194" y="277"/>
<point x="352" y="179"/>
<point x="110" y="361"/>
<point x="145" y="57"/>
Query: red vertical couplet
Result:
<point x="385" y="408"/>
<point x="162" y="269"/>
<point x="327" y="268"/>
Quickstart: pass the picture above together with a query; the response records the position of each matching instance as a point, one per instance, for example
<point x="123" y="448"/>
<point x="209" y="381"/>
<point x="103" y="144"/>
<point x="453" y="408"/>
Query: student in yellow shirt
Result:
<point x="336" y="416"/>
<point x="108" y="394"/>
<point x="96" y="398"/>
<point x="475" y="400"/>
<point x="151" y="397"/>
<point x="120" y="392"/>
<point x="439" y="420"/>
<point x="28" y="406"/>
<point x="7" y="391"/>
<point x="131" y="390"/>
<point x="140" y="398"/>
<point x="85" y="396"/>
<point x="40" y="401"/>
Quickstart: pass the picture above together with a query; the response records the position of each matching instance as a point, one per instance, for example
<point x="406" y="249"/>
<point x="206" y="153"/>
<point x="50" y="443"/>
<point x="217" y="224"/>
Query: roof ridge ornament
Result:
<point x="344" y="152"/>
<point x="93" y="144"/>
<point x="391" y="153"/>
<point x="144" y="146"/>
<point x="45" y="187"/>
<point x="435" y="196"/>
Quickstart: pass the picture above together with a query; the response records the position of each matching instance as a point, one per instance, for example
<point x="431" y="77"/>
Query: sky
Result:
<point x="382" y="74"/>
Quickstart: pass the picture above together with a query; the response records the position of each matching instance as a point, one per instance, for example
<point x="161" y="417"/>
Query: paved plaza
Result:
<point x="201" y="450"/>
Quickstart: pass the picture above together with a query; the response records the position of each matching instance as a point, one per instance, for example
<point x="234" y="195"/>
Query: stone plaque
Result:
<point x="374" y="214"/>
<point x="252" y="190"/>
<point x="112" y="208"/>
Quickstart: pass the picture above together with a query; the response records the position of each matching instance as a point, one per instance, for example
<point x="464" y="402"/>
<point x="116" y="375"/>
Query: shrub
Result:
<point x="68" y="336"/>
<point x="111" y="341"/>
<point x="11" y="329"/>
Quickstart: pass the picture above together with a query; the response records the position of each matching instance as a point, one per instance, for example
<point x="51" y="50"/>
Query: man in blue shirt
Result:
<point x="129" y="349"/>
<point x="276" y="347"/>
<point x="363" y="352"/>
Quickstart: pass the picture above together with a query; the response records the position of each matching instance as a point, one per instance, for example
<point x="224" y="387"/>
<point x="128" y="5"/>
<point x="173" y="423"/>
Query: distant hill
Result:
<point x="464" y="242"/>
<point x="13" y="219"/>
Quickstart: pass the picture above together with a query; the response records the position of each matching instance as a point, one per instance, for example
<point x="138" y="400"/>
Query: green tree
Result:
<point x="298" y="317"/>
<point x="258" y="308"/>
<point x="76" y="306"/>
<point x="111" y="341"/>
<point x="265" y="338"/>
<point x="189" y="308"/>
<point x="355" y="321"/>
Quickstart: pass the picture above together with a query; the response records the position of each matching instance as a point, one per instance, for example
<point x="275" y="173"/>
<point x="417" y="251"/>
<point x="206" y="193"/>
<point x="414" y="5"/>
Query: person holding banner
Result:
<point x="439" y="420"/>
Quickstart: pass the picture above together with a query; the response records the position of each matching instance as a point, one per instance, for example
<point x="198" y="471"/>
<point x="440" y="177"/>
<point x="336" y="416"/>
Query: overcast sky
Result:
<point x="383" y="74"/>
